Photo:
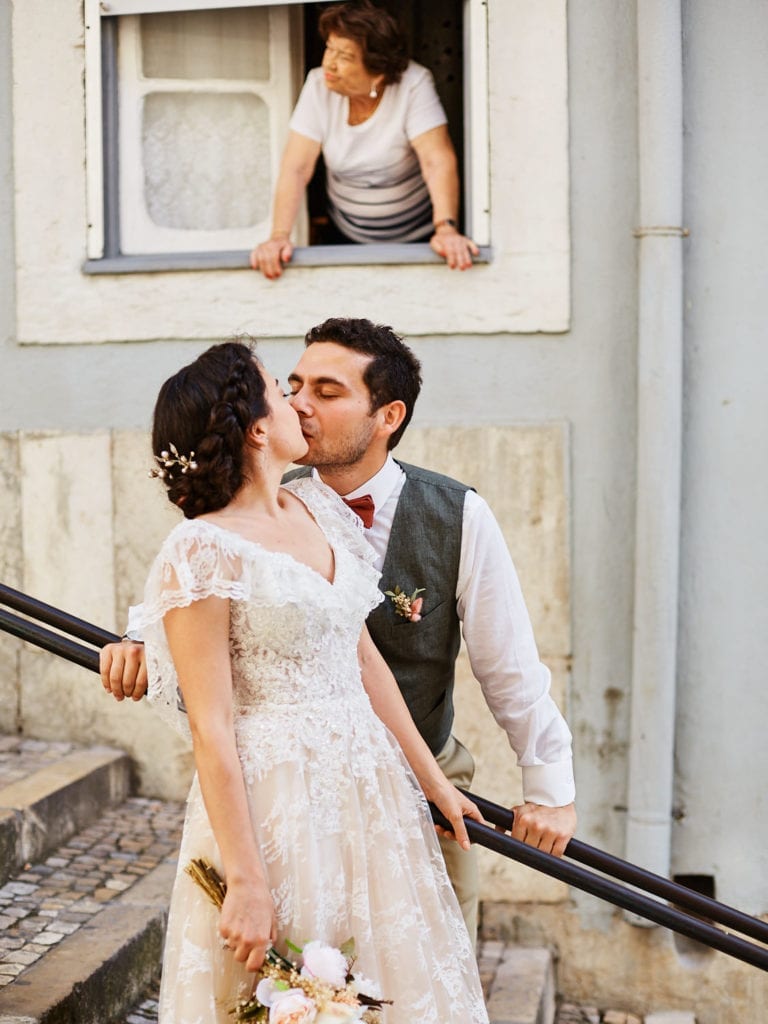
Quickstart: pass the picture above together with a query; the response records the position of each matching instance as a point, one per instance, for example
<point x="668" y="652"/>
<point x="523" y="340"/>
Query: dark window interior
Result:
<point x="434" y="30"/>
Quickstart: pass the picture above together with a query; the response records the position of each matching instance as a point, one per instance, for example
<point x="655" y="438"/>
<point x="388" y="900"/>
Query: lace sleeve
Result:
<point x="196" y="561"/>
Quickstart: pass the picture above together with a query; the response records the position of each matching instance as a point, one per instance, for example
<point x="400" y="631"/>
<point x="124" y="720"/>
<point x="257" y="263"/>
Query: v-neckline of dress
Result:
<point x="285" y="554"/>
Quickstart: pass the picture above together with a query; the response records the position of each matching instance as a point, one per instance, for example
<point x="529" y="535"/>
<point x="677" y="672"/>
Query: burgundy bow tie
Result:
<point x="364" y="507"/>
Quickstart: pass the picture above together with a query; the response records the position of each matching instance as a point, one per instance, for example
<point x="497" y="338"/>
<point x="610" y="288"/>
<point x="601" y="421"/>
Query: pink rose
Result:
<point x="415" y="615"/>
<point x="339" y="1013"/>
<point x="292" y="1008"/>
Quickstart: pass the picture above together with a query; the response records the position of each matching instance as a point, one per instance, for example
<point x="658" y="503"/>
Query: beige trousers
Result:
<point x="459" y="767"/>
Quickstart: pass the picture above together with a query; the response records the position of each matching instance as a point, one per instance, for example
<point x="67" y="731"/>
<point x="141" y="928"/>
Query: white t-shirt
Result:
<point x="375" y="189"/>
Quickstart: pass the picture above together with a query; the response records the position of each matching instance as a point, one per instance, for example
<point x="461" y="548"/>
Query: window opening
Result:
<point x="162" y="73"/>
<point x="434" y="29"/>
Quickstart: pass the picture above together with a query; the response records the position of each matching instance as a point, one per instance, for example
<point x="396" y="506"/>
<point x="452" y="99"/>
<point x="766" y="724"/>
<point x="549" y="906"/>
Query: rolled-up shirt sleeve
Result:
<point x="505" y="661"/>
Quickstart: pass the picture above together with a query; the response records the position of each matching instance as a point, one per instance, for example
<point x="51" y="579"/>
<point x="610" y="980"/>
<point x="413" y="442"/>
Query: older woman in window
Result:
<point x="391" y="171"/>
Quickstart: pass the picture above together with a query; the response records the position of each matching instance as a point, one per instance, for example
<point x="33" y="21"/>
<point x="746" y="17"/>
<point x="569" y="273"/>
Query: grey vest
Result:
<point x="424" y="550"/>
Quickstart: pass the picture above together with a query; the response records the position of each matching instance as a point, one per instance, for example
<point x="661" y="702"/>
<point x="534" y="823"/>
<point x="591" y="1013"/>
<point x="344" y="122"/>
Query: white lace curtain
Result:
<point x="203" y="151"/>
<point x="205" y="97"/>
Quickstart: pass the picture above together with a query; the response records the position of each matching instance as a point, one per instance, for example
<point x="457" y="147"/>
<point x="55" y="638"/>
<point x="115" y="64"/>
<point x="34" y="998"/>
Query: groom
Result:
<point x="354" y="389"/>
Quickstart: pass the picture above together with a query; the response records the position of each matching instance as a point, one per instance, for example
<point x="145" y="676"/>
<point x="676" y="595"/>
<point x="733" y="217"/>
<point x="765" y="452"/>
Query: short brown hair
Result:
<point x="377" y="33"/>
<point x="394" y="372"/>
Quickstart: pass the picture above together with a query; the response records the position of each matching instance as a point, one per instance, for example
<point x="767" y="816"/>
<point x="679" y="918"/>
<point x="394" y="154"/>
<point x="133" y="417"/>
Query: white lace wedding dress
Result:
<point x="343" y="828"/>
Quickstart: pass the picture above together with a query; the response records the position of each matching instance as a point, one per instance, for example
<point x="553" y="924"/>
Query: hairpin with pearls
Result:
<point x="166" y="460"/>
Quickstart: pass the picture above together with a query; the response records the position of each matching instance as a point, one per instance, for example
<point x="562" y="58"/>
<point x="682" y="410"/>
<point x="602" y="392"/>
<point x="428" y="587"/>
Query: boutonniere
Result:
<point x="408" y="607"/>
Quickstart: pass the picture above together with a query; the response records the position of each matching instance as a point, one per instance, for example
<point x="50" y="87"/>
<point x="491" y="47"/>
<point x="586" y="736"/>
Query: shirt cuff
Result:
<point x="133" y="629"/>
<point x="551" y="785"/>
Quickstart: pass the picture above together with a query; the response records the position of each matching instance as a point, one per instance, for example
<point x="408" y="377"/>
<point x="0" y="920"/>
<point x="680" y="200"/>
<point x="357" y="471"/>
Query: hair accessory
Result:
<point x="167" y="460"/>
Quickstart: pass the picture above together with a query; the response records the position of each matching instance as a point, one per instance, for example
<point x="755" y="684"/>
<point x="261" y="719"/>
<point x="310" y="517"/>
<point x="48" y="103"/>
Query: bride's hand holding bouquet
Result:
<point x="247" y="923"/>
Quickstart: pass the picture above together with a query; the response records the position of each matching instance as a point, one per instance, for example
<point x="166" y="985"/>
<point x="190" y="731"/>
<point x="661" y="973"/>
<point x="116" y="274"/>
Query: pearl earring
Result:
<point x="373" y="94"/>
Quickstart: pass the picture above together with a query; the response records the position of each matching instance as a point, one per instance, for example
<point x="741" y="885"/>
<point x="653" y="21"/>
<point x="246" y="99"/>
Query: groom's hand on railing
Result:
<point x="547" y="828"/>
<point x="123" y="670"/>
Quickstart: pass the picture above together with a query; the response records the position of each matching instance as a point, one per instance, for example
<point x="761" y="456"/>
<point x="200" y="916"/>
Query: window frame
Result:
<point x="525" y="289"/>
<point x="104" y="253"/>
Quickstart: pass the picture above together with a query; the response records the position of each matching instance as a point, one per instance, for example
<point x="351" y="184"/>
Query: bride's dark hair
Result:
<point x="206" y="409"/>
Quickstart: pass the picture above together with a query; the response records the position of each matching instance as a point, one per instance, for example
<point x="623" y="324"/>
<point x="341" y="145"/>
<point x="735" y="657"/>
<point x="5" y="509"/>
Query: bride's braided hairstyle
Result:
<point x="206" y="409"/>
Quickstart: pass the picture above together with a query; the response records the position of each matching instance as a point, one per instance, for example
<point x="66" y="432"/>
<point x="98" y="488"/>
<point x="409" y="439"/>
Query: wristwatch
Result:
<point x="446" y="220"/>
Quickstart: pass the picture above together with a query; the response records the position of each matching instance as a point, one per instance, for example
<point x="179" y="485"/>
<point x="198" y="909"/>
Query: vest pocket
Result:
<point x="388" y="621"/>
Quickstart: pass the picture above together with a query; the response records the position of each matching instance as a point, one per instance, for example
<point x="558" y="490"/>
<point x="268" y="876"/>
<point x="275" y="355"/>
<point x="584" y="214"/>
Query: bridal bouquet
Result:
<point x="319" y="988"/>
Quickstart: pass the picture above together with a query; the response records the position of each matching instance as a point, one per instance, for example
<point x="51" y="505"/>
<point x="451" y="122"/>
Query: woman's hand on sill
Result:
<point x="456" y="249"/>
<point x="270" y="256"/>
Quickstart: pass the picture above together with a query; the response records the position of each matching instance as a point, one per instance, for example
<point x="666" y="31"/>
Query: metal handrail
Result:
<point x="639" y="877"/>
<point x="483" y="834"/>
<point x="55" y="617"/>
<point x="612" y="892"/>
<point x="50" y="641"/>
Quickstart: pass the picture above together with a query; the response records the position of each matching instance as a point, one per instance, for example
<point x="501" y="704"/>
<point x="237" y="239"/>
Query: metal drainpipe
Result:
<point x="659" y="434"/>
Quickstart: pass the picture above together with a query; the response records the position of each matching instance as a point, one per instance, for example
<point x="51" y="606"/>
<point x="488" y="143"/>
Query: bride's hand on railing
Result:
<point x="123" y="670"/>
<point x="455" y="806"/>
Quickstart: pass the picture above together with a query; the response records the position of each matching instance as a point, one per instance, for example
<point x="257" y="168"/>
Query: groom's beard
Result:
<point x="345" y="451"/>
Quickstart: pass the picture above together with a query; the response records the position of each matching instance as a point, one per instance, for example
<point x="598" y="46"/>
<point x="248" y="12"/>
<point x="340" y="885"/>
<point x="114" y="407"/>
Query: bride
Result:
<point x="309" y="794"/>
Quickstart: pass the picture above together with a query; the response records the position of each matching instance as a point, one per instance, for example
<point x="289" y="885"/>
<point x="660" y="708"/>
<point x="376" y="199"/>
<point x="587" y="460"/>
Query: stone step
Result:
<point x="519" y="983"/>
<point x="81" y="929"/>
<point x="49" y="791"/>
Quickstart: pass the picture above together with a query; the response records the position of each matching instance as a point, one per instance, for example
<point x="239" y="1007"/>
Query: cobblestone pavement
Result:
<point x="52" y="899"/>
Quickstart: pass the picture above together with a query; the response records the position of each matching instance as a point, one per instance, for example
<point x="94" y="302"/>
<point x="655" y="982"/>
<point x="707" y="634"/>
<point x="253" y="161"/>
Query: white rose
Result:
<point x="324" y="962"/>
<point x="293" y="1007"/>
<point x="268" y="991"/>
<point x="339" y="1013"/>
<point x="366" y="985"/>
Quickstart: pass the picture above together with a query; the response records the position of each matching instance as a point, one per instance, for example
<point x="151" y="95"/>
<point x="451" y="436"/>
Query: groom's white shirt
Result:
<point x="499" y="637"/>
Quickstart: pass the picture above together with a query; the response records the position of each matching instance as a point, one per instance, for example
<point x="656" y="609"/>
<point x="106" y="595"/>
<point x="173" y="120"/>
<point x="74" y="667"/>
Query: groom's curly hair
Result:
<point x="204" y="411"/>
<point x="394" y="372"/>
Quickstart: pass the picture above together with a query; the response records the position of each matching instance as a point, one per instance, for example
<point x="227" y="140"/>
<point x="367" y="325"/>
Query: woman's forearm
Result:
<point x="198" y="637"/>
<point x="442" y="181"/>
<point x="390" y="707"/>
<point x="437" y="160"/>
<point x="288" y="195"/>
<point x="221" y="784"/>
<point x="296" y="169"/>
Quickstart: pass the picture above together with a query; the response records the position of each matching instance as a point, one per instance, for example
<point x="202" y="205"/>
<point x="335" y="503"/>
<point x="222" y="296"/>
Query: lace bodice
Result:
<point x="293" y="635"/>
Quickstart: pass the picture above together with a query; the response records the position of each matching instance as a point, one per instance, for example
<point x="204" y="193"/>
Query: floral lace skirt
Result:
<point x="349" y="853"/>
